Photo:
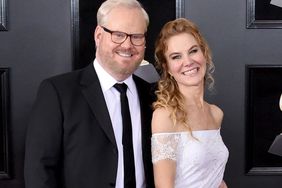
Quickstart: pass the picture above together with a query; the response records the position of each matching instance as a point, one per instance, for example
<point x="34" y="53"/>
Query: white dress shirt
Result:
<point x="112" y="97"/>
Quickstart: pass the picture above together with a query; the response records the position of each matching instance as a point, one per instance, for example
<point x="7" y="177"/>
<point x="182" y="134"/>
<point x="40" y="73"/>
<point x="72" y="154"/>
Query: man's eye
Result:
<point x="119" y="35"/>
<point x="137" y="37"/>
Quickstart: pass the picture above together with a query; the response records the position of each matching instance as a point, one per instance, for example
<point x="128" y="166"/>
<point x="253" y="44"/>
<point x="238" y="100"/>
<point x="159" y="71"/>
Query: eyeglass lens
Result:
<point x="119" y="37"/>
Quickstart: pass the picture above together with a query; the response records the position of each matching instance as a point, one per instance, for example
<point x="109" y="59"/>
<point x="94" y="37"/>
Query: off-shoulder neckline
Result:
<point x="185" y="132"/>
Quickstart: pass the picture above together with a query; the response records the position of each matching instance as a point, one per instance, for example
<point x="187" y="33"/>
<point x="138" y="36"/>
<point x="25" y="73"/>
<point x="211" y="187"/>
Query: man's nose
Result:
<point x="127" y="43"/>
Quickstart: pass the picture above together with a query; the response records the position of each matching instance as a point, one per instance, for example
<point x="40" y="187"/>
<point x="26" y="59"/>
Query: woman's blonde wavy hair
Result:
<point x="168" y="94"/>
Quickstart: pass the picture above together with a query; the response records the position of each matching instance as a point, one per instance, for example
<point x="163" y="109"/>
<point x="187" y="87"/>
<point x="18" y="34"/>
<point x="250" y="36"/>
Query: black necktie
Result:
<point x="128" y="155"/>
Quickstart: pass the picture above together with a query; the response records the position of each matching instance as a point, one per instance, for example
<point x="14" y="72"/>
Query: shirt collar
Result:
<point x="107" y="81"/>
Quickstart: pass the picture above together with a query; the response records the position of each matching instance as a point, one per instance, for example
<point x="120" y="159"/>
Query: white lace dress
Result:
<point x="199" y="163"/>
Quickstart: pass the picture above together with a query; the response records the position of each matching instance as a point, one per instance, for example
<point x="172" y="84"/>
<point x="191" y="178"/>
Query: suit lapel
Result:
<point x="92" y="92"/>
<point x="146" y="98"/>
<point x="146" y="112"/>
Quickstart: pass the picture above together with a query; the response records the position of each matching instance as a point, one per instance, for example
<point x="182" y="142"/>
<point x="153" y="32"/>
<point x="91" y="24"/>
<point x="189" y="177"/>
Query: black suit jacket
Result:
<point x="70" y="140"/>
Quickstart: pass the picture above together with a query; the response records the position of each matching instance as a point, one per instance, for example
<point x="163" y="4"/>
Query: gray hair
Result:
<point x="108" y="5"/>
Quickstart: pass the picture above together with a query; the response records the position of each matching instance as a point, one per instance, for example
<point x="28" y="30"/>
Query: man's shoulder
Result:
<point x="143" y="85"/>
<point x="68" y="78"/>
<point x="65" y="76"/>
<point x="139" y="80"/>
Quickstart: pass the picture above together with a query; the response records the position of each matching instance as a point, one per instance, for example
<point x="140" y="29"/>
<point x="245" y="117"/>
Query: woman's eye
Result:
<point x="176" y="57"/>
<point x="194" y="51"/>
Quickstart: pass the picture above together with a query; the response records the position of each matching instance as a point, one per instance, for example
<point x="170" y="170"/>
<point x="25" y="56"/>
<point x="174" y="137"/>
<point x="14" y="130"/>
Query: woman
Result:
<point x="187" y="148"/>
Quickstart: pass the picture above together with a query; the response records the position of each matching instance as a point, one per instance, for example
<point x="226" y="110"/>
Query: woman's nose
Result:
<point x="187" y="60"/>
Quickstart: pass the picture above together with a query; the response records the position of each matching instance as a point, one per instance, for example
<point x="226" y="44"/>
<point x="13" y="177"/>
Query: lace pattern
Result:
<point x="164" y="146"/>
<point x="205" y="156"/>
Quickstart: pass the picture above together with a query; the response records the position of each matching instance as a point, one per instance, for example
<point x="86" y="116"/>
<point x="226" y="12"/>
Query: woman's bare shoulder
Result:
<point x="161" y="121"/>
<point x="217" y="113"/>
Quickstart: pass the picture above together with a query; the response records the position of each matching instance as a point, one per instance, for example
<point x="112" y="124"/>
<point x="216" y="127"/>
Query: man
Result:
<point x="74" y="138"/>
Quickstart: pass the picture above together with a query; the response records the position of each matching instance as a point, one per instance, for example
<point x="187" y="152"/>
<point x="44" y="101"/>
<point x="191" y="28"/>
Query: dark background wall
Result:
<point x="38" y="44"/>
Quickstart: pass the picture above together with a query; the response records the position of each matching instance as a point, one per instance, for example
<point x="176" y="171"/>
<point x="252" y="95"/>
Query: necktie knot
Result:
<point x="121" y="87"/>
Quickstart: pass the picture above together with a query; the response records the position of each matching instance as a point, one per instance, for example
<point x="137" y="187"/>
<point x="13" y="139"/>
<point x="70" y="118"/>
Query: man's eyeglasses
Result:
<point x="119" y="37"/>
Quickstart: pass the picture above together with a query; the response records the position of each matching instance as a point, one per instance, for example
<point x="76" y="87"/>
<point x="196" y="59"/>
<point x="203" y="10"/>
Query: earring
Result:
<point x="170" y="76"/>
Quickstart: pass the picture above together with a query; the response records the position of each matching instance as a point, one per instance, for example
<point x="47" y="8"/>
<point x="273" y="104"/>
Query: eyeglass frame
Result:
<point x="126" y="36"/>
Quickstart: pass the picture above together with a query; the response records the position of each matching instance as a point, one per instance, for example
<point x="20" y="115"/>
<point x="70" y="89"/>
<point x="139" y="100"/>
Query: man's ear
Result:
<point x="97" y="34"/>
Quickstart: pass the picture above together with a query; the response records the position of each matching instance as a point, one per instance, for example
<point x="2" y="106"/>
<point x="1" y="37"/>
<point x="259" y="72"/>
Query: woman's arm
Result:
<point x="164" y="150"/>
<point x="223" y="184"/>
<point x="164" y="173"/>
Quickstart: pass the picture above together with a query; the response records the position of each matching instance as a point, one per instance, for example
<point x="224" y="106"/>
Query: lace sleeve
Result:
<point x="164" y="146"/>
